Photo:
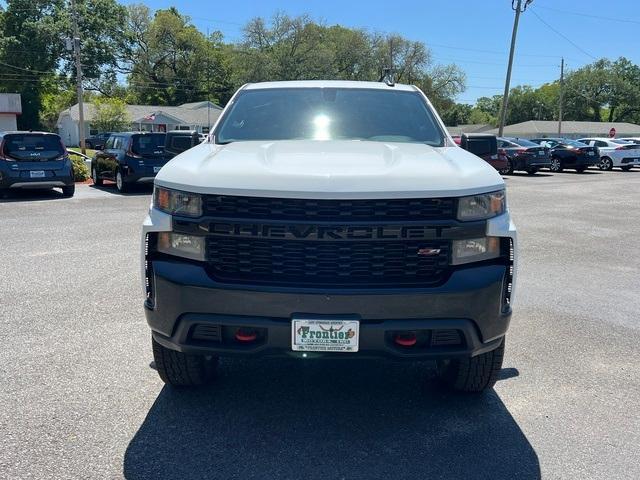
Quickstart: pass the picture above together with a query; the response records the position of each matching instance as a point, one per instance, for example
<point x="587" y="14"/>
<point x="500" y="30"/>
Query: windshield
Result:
<point x="32" y="146"/>
<point x="622" y="142"/>
<point x="148" y="145"/>
<point x="330" y="114"/>
<point x="524" y="143"/>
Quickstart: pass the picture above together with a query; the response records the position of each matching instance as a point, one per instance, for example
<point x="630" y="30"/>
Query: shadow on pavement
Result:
<point x="291" y="419"/>
<point x="525" y="174"/>
<point x="31" y="195"/>
<point x="134" y="190"/>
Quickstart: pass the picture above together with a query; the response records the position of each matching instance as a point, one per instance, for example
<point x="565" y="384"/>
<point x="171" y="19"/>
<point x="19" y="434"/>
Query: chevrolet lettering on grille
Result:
<point x="330" y="233"/>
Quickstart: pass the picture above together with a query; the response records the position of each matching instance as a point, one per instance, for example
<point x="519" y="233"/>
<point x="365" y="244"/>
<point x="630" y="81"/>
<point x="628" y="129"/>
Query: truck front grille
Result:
<point x="278" y="241"/>
<point x="225" y="206"/>
<point x="309" y="263"/>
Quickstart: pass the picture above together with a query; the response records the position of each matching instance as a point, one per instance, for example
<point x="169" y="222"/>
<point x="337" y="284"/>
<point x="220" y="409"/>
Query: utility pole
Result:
<point x="76" y="50"/>
<point x="517" y="6"/>
<point x="561" y="97"/>
<point x="208" y="87"/>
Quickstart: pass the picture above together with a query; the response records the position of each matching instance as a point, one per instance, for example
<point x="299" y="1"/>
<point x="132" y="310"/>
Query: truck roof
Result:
<point x="329" y="84"/>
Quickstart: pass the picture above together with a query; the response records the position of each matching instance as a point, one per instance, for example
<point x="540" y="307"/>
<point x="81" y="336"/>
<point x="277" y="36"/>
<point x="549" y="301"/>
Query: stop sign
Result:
<point x="612" y="133"/>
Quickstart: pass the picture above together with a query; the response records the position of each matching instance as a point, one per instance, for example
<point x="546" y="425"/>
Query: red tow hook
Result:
<point x="245" y="336"/>
<point x="408" y="339"/>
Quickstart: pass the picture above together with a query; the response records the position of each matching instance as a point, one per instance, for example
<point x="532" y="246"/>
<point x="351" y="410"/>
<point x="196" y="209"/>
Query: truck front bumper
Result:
<point x="191" y="313"/>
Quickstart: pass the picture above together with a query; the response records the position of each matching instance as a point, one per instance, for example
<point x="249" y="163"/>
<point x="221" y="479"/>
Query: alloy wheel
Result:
<point x="605" y="164"/>
<point x="119" y="182"/>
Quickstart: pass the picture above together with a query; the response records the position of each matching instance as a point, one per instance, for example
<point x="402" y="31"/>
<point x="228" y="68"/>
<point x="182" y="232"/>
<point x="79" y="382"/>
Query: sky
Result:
<point x="474" y="34"/>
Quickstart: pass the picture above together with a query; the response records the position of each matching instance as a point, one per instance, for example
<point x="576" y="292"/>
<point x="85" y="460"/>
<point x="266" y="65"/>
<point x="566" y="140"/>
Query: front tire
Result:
<point x="605" y="164"/>
<point x="69" y="191"/>
<point x="472" y="375"/>
<point x="556" y="165"/>
<point x="183" y="370"/>
<point x="532" y="171"/>
<point x="581" y="169"/>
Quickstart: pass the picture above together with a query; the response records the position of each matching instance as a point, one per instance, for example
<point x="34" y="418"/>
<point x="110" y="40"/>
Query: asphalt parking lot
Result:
<point x="80" y="400"/>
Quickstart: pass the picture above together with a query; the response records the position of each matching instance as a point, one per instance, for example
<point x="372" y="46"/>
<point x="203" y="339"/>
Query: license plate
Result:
<point x="541" y="154"/>
<point x="37" y="173"/>
<point x="325" y="335"/>
<point x="591" y="154"/>
<point x="156" y="169"/>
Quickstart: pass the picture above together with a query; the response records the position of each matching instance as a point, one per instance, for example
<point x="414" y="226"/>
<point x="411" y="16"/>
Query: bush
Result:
<point x="80" y="170"/>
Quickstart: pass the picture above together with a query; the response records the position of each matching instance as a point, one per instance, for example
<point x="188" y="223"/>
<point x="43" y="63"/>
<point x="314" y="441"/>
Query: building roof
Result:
<point x="539" y="128"/>
<point x="469" y="128"/>
<point x="195" y="113"/>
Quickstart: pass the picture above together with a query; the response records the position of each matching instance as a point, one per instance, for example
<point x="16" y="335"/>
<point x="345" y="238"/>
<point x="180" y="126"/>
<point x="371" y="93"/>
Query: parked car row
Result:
<point x="508" y="154"/>
<point x="39" y="160"/>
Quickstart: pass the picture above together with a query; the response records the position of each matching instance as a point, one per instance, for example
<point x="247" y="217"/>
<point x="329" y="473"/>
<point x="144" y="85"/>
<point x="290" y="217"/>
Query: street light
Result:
<point x="518" y="7"/>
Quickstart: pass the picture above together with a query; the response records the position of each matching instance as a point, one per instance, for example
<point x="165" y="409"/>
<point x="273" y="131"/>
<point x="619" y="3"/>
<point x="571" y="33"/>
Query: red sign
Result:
<point x="612" y="133"/>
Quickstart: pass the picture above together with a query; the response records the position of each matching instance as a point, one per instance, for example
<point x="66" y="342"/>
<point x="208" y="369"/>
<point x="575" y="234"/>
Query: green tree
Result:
<point x="30" y="47"/>
<point x="297" y="48"/>
<point x="33" y="54"/>
<point x="624" y="100"/>
<point x="110" y="114"/>
<point x="490" y="105"/>
<point x="458" y="114"/>
<point x="56" y="96"/>
<point x="171" y="62"/>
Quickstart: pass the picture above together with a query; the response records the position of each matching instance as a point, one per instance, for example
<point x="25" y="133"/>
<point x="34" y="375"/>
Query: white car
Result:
<point x="615" y="152"/>
<point x="329" y="219"/>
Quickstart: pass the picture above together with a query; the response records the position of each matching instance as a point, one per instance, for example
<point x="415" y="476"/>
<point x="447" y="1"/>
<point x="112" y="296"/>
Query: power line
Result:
<point x="598" y="17"/>
<point x="562" y="35"/>
<point x="493" y="52"/>
<point x="459" y="60"/>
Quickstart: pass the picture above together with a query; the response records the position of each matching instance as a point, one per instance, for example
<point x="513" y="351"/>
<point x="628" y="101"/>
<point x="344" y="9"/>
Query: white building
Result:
<point x="198" y="116"/>
<point x="10" y="108"/>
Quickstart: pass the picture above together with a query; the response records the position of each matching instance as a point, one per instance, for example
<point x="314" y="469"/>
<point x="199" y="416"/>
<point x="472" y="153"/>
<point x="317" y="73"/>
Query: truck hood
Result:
<point x="329" y="169"/>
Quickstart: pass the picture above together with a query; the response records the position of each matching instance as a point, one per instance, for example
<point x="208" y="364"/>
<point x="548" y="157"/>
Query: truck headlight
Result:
<point x="176" y="202"/>
<point x="181" y="245"/>
<point x="474" y="250"/>
<point x="482" y="206"/>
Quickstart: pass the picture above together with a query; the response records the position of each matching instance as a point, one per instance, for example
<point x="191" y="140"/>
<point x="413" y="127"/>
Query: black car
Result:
<point x="97" y="142"/>
<point x="524" y="155"/>
<point x="130" y="158"/>
<point x="36" y="160"/>
<point x="178" y="141"/>
<point x="566" y="153"/>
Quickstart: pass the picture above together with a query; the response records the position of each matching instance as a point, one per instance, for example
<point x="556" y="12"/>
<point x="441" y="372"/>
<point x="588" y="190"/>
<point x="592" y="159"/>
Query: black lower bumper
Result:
<point x="531" y="163"/>
<point x="9" y="181"/>
<point x="185" y="299"/>
<point x="139" y="177"/>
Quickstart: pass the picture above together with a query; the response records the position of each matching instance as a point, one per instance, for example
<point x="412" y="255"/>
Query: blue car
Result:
<point x="34" y="160"/>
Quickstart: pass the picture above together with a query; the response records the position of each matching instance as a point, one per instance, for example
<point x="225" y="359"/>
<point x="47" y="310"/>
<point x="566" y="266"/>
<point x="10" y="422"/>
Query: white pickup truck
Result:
<point x="327" y="219"/>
